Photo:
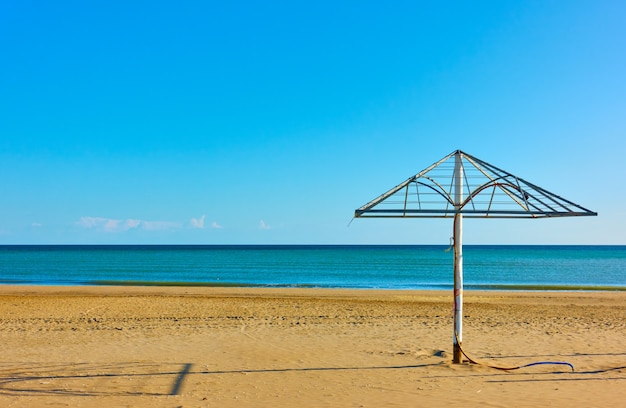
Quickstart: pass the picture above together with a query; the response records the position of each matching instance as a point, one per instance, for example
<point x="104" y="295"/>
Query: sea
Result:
<point x="395" y="267"/>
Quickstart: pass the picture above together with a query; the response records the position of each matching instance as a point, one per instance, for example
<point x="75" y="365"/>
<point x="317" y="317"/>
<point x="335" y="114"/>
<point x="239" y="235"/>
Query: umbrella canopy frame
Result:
<point x="478" y="179"/>
<point x="475" y="189"/>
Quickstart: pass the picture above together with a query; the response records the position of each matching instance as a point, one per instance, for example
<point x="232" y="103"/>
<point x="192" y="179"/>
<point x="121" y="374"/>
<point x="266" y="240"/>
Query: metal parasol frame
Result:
<point x="461" y="185"/>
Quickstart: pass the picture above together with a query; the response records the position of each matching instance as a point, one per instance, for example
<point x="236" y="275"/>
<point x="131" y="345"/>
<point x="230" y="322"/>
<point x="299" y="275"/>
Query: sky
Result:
<point x="204" y="122"/>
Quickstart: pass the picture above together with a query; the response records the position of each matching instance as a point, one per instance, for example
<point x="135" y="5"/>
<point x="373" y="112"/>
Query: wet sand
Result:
<point x="227" y="347"/>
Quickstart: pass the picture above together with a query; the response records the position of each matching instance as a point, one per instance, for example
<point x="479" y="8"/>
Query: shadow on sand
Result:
<point x="142" y="379"/>
<point x="124" y="379"/>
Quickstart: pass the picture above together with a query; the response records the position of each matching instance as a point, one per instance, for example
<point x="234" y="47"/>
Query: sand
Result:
<point x="227" y="347"/>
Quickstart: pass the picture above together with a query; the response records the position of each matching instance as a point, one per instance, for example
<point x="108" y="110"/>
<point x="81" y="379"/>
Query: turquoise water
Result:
<point x="385" y="267"/>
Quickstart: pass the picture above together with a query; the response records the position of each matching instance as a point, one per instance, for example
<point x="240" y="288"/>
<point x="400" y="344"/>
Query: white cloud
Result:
<point x="90" y="222"/>
<point x="107" y="224"/>
<point x="36" y="225"/>
<point x="264" y="226"/>
<point x="215" y="225"/>
<point x="130" y="223"/>
<point x="112" y="225"/>
<point x="198" y="222"/>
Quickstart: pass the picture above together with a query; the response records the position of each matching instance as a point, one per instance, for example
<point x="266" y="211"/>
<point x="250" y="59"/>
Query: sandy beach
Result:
<point x="227" y="347"/>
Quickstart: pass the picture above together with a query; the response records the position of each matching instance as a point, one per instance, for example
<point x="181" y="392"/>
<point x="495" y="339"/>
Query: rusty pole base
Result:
<point x="457" y="355"/>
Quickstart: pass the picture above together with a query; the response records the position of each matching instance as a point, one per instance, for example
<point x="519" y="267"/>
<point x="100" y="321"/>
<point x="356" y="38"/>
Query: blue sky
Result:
<point x="271" y="122"/>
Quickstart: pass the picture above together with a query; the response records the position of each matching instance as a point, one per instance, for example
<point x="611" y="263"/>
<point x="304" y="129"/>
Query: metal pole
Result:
<point x="457" y="356"/>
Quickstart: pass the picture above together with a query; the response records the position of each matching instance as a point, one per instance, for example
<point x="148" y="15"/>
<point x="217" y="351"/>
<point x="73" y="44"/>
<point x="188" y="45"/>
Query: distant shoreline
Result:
<point x="471" y="288"/>
<point x="302" y="246"/>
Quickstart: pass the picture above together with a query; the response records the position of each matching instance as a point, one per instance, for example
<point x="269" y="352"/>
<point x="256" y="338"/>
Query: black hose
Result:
<point x="472" y="361"/>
